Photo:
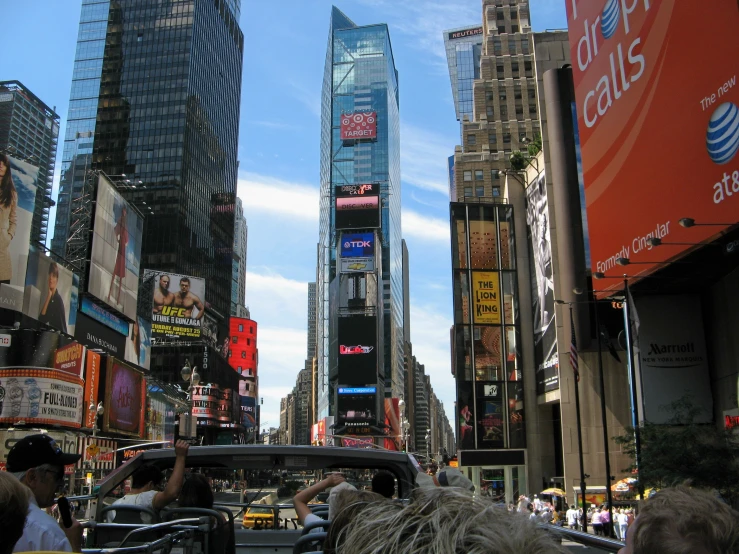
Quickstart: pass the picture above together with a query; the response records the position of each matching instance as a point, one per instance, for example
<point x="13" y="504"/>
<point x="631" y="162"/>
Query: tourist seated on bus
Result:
<point x="146" y="479"/>
<point x="196" y="492"/>
<point x="443" y="519"/>
<point x="680" y="520"/>
<point x="383" y="483"/>
<point x="335" y="481"/>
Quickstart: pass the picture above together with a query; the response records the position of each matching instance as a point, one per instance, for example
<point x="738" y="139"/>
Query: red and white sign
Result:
<point x="70" y="358"/>
<point x="359" y="125"/>
<point x="358" y="203"/>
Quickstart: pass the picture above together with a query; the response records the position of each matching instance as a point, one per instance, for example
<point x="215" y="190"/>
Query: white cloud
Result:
<point x="424" y="227"/>
<point x="424" y="23"/>
<point x="261" y="193"/>
<point x="276" y="300"/>
<point x="423" y="158"/>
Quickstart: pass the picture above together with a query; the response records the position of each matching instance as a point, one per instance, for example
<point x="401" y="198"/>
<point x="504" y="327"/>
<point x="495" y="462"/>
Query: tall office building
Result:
<point x="463" y="49"/>
<point x="29" y="130"/>
<point x="311" y="322"/>
<point x="493" y="346"/>
<point x="360" y="82"/>
<point x="155" y="104"/>
<point x="238" y="275"/>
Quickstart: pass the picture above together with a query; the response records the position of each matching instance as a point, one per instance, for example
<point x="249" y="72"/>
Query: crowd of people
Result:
<point x="443" y="515"/>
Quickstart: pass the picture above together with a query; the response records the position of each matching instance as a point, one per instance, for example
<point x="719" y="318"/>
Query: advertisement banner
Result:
<point x="94" y="335"/>
<point x="635" y="107"/>
<point x="125" y="400"/>
<point x="41" y="396"/>
<point x="116" y="251"/>
<point x="357" y="350"/>
<point x="34" y="348"/>
<point x="392" y="424"/>
<point x="101" y="315"/>
<point x="177" y="315"/>
<point x="357" y="265"/>
<point x="672" y="356"/>
<point x="464" y="34"/>
<point x="357" y="245"/>
<point x="92" y="378"/>
<point x="357" y="206"/>
<point x="18" y="183"/>
<point x="466" y="423"/>
<point x="8" y="438"/>
<point x="96" y="453"/>
<point x="359" y="126"/>
<point x="486" y="297"/>
<point x="138" y="343"/>
<point x="546" y="359"/>
<point x="160" y="415"/>
<point x="51" y="293"/>
<point x="70" y="358"/>
<point x="206" y="401"/>
<point x="248" y="413"/>
<point x="490" y="426"/>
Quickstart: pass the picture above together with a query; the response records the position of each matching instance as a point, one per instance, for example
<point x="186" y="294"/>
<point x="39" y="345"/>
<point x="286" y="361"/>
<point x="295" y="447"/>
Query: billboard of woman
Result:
<point x="17" y="200"/>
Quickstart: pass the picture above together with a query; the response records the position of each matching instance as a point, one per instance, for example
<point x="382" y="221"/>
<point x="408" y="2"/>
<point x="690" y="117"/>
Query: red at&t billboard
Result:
<point x="359" y="126"/>
<point x="658" y="117"/>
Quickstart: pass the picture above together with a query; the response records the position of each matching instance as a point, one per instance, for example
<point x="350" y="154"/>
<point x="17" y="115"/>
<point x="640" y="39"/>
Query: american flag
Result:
<point x="573" y="350"/>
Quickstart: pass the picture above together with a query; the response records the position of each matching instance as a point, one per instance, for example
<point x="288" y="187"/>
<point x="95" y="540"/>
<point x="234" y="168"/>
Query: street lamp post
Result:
<point x="428" y="447"/>
<point x="193" y="377"/>
<point x="98" y="412"/>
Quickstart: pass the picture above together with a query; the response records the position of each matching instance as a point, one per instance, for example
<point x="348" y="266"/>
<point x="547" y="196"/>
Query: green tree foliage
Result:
<point x="683" y="450"/>
<point x="535" y="147"/>
<point x="518" y="161"/>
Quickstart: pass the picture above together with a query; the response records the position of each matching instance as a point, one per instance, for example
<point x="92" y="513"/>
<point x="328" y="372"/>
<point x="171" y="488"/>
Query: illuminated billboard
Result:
<point x="359" y="126"/>
<point x="357" y="252"/>
<point x="18" y="181"/>
<point x="486" y="297"/>
<point x="116" y="251"/>
<point x="358" y="206"/>
<point x="357" y="350"/>
<point x="125" y="399"/>
<point x="178" y="307"/>
<point x="51" y="293"/>
<point x="658" y="125"/>
<point x="357" y="406"/>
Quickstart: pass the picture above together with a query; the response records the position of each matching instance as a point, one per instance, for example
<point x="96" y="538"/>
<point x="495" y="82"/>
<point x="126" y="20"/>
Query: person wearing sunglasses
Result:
<point x="38" y="462"/>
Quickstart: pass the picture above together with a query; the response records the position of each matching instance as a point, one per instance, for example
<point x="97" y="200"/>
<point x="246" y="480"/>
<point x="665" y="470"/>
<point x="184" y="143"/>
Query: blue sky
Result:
<point x="285" y="47"/>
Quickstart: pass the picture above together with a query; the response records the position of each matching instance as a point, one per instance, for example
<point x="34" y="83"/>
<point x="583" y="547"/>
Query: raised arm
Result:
<point x="300" y="500"/>
<point x="172" y="490"/>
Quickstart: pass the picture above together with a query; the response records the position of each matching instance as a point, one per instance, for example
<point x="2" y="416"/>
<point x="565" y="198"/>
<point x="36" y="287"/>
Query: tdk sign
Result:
<point x="358" y="245"/>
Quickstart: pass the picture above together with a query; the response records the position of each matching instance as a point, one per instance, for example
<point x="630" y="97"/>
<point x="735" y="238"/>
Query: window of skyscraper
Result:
<point x="471" y="140"/>
<point x="506" y="138"/>
<point x="467" y="175"/>
<point x="490" y="112"/>
<point x="479" y="190"/>
<point x="478" y="175"/>
<point x="496" y="192"/>
<point x="492" y="138"/>
<point x="494" y="174"/>
<point x="514" y="28"/>
<point x="468" y="191"/>
<point x="501" y="29"/>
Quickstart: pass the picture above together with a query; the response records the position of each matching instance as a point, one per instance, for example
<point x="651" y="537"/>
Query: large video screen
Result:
<point x="178" y="307"/>
<point x="357" y="405"/>
<point x="125" y="399"/>
<point x="18" y="183"/>
<point x="51" y="294"/>
<point x="357" y="350"/>
<point x="358" y="206"/>
<point x="115" y="259"/>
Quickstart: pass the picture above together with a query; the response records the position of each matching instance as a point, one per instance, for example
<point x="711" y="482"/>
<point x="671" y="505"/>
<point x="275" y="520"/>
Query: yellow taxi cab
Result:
<point x="259" y="517"/>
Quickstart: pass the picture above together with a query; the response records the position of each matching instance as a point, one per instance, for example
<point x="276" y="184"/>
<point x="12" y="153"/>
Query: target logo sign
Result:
<point x="359" y="125"/>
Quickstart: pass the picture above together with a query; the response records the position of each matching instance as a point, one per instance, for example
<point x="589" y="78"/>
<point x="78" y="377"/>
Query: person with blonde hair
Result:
<point x="682" y="520"/>
<point x="443" y="520"/>
<point x="13" y="509"/>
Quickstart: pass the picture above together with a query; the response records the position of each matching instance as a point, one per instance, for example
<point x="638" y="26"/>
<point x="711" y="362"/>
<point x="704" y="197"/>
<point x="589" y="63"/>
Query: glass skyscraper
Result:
<point x="155" y="104"/>
<point x="360" y="75"/>
<point x="463" y="48"/>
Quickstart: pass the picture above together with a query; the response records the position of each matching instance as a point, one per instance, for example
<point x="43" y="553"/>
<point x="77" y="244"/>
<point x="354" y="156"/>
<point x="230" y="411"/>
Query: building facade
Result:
<point x="144" y="109"/>
<point x="238" y="274"/>
<point x="463" y="47"/>
<point x="29" y="130"/>
<point x="311" y="353"/>
<point x="360" y="78"/>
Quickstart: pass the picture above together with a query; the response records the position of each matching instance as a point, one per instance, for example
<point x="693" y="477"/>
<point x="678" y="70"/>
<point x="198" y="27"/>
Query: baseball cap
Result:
<point x="448" y="477"/>
<point x="35" y="450"/>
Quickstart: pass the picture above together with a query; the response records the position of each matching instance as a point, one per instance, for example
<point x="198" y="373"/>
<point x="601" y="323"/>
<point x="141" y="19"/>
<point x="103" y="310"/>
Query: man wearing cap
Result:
<point x="38" y="462"/>
<point x="448" y="477"/>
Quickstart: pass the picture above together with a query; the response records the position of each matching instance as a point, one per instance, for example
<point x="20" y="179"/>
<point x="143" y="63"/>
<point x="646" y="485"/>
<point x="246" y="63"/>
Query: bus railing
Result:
<point x="585" y="539"/>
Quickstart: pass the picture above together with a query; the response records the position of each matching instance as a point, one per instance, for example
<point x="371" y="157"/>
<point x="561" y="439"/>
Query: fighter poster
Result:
<point x="178" y="307"/>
